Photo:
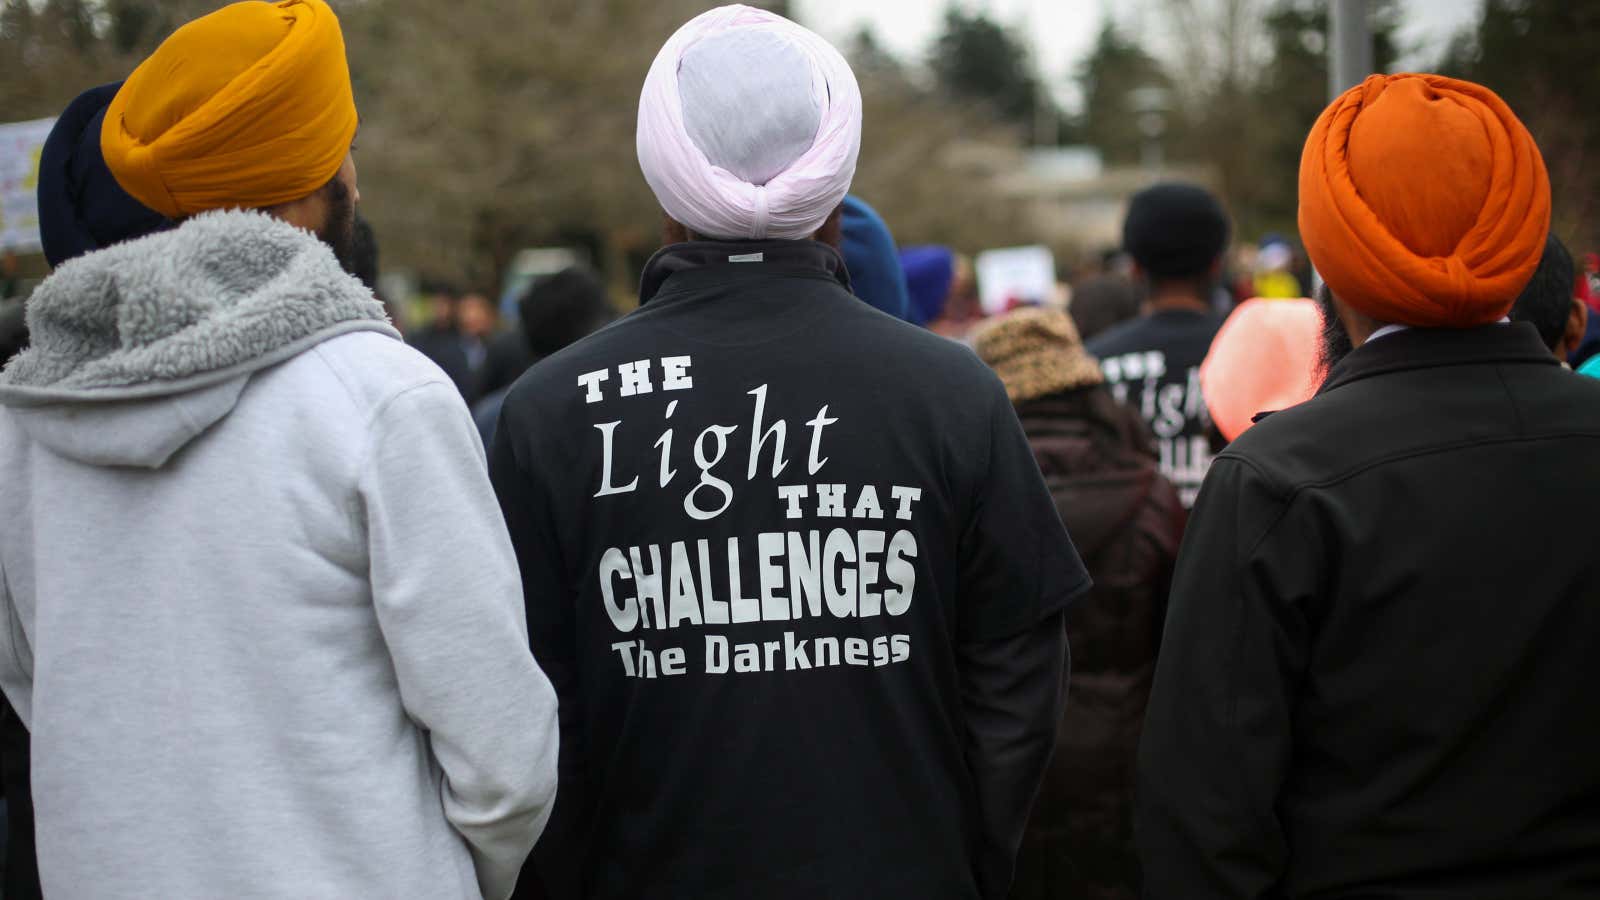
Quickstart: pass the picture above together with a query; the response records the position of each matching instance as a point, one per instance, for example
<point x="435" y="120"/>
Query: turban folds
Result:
<point x="756" y="134"/>
<point x="1423" y="201"/>
<point x="250" y="106"/>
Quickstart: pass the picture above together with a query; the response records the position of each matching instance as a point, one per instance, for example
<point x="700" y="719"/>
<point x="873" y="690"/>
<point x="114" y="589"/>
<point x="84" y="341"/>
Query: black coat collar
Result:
<point x="1425" y="348"/>
<point x="702" y="263"/>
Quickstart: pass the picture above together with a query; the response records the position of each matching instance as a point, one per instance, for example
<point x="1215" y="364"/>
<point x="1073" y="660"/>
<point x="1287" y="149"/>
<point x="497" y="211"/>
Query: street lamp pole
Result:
<point x="1349" y="55"/>
<point x="1349" y="44"/>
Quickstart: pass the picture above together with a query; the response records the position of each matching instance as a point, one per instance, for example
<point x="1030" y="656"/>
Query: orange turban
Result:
<point x="248" y="107"/>
<point x="1423" y="201"/>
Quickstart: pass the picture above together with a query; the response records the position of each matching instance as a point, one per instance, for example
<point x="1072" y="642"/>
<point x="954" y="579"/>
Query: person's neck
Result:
<point x="1363" y="329"/>
<point x="1177" y="301"/>
<point x="1360" y="326"/>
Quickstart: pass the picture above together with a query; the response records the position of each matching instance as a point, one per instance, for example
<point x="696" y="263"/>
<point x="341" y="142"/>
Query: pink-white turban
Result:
<point x="749" y="126"/>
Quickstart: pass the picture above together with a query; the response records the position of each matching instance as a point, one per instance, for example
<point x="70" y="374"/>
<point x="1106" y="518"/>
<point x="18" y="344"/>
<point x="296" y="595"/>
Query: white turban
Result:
<point x="749" y="126"/>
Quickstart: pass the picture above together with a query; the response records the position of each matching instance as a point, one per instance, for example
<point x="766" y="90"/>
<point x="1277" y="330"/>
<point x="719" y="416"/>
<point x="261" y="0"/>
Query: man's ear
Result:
<point x="673" y="231"/>
<point x="1577" y="324"/>
<point x="832" y="230"/>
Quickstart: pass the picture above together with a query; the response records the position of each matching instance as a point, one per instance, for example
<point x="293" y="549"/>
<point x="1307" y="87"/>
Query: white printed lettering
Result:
<point x="906" y="496"/>
<point x="820" y="422"/>
<point x="606" y="487"/>
<point x="792" y="494"/>
<point x="830" y="501"/>
<point x="774" y="606"/>
<point x="624" y="615"/>
<point x="683" y="606"/>
<point x="720" y="434"/>
<point x="899" y="570"/>
<point x="675" y="373"/>
<point x="867" y="505"/>
<point x="868" y="544"/>
<point x="839" y="587"/>
<point x="778" y="431"/>
<point x="591" y="381"/>
<point x="652" y="599"/>
<point x="635" y="378"/>
<point x="745" y="609"/>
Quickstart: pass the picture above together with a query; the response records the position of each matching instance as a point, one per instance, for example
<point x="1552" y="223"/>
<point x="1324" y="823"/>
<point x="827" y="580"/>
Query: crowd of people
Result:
<point x="804" y="578"/>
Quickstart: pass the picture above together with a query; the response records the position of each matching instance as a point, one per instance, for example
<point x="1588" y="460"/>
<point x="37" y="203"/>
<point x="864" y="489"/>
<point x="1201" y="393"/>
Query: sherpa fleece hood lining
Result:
<point x="225" y="294"/>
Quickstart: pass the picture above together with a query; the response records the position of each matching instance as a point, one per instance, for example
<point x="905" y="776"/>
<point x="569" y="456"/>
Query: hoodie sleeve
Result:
<point x="555" y="867"/>
<point x="449" y="603"/>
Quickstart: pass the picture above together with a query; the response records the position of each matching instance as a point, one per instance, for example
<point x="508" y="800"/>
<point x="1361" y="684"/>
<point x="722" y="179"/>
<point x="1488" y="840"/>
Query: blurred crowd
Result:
<point x="1229" y="569"/>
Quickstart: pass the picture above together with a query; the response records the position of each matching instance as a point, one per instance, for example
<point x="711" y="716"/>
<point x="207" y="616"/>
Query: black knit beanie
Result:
<point x="1175" y="230"/>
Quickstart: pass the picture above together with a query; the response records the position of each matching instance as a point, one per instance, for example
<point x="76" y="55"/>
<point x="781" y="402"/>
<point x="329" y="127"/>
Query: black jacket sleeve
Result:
<point x="1019" y="571"/>
<point x="1217" y="736"/>
<point x="1012" y="693"/>
<point x="552" y="869"/>
<point x="21" y="881"/>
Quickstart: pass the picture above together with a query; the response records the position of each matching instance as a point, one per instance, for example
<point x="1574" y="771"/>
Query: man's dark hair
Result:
<point x="1547" y="300"/>
<point x="339" y="230"/>
<point x="1334" y="339"/>
<point x="558" y="309"/>
<point x="364" y="254"/>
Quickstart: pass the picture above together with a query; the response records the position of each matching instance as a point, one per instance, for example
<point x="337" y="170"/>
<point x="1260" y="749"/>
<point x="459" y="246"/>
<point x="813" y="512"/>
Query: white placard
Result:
<point x="20" y="146"/>
<point x="1014" y="276"/>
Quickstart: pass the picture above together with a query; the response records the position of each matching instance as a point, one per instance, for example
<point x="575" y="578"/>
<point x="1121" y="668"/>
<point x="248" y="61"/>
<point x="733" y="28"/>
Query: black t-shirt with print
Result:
<point x="1153" y="365"/>
<point x="755" y="520"/>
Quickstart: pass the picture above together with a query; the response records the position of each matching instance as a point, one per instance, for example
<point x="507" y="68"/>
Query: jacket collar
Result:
<point x="1426" y="348"/>
<point x="704" y="263"/>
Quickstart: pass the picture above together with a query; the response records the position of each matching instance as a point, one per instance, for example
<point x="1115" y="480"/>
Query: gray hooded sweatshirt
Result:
<point x="259" y="607"/>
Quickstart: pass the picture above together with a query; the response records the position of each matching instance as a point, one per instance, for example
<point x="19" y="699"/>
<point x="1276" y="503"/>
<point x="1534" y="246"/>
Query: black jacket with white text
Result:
<point x="797" y="579"/>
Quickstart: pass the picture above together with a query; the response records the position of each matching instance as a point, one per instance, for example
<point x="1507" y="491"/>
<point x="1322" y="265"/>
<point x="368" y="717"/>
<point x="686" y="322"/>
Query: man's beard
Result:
<point x="338" y="231"/>
<point x="1335" y="339"/>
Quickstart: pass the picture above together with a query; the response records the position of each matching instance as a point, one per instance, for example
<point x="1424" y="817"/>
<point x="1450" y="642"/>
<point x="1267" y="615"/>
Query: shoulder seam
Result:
<point x="1511" y="398"/>
<point x="338" y="374"/>
<point x="383" y="407"/>
<point x="1284" y="498"/>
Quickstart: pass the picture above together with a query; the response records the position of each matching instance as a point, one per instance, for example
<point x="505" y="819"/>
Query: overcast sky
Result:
<point x="1064" y="30"/>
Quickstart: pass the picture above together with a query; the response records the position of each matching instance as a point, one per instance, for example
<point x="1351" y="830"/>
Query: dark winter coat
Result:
<point x="1100" y="466"/>
<point x="447" y="347"/>
<point x="21" y="881"/>
<point x="1378" y="674"/>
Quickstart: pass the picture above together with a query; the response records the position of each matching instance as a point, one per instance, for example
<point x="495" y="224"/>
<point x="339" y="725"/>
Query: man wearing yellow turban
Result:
<point x="263" y="617"/>
<point x="247" y="108"/>
<point x="1377" y="668"/>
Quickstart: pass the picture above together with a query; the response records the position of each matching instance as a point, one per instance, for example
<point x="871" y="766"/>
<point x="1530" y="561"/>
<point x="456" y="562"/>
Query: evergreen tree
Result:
<point x="977" y="59"/>
<point x="1109" y="78"/>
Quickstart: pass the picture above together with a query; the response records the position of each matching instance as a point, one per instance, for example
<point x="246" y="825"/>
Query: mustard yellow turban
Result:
<point x="1424" y="201"/>
<point x="247" y="107"/>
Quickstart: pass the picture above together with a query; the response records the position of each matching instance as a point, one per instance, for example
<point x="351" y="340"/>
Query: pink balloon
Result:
<point x="1264" y="359"/>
